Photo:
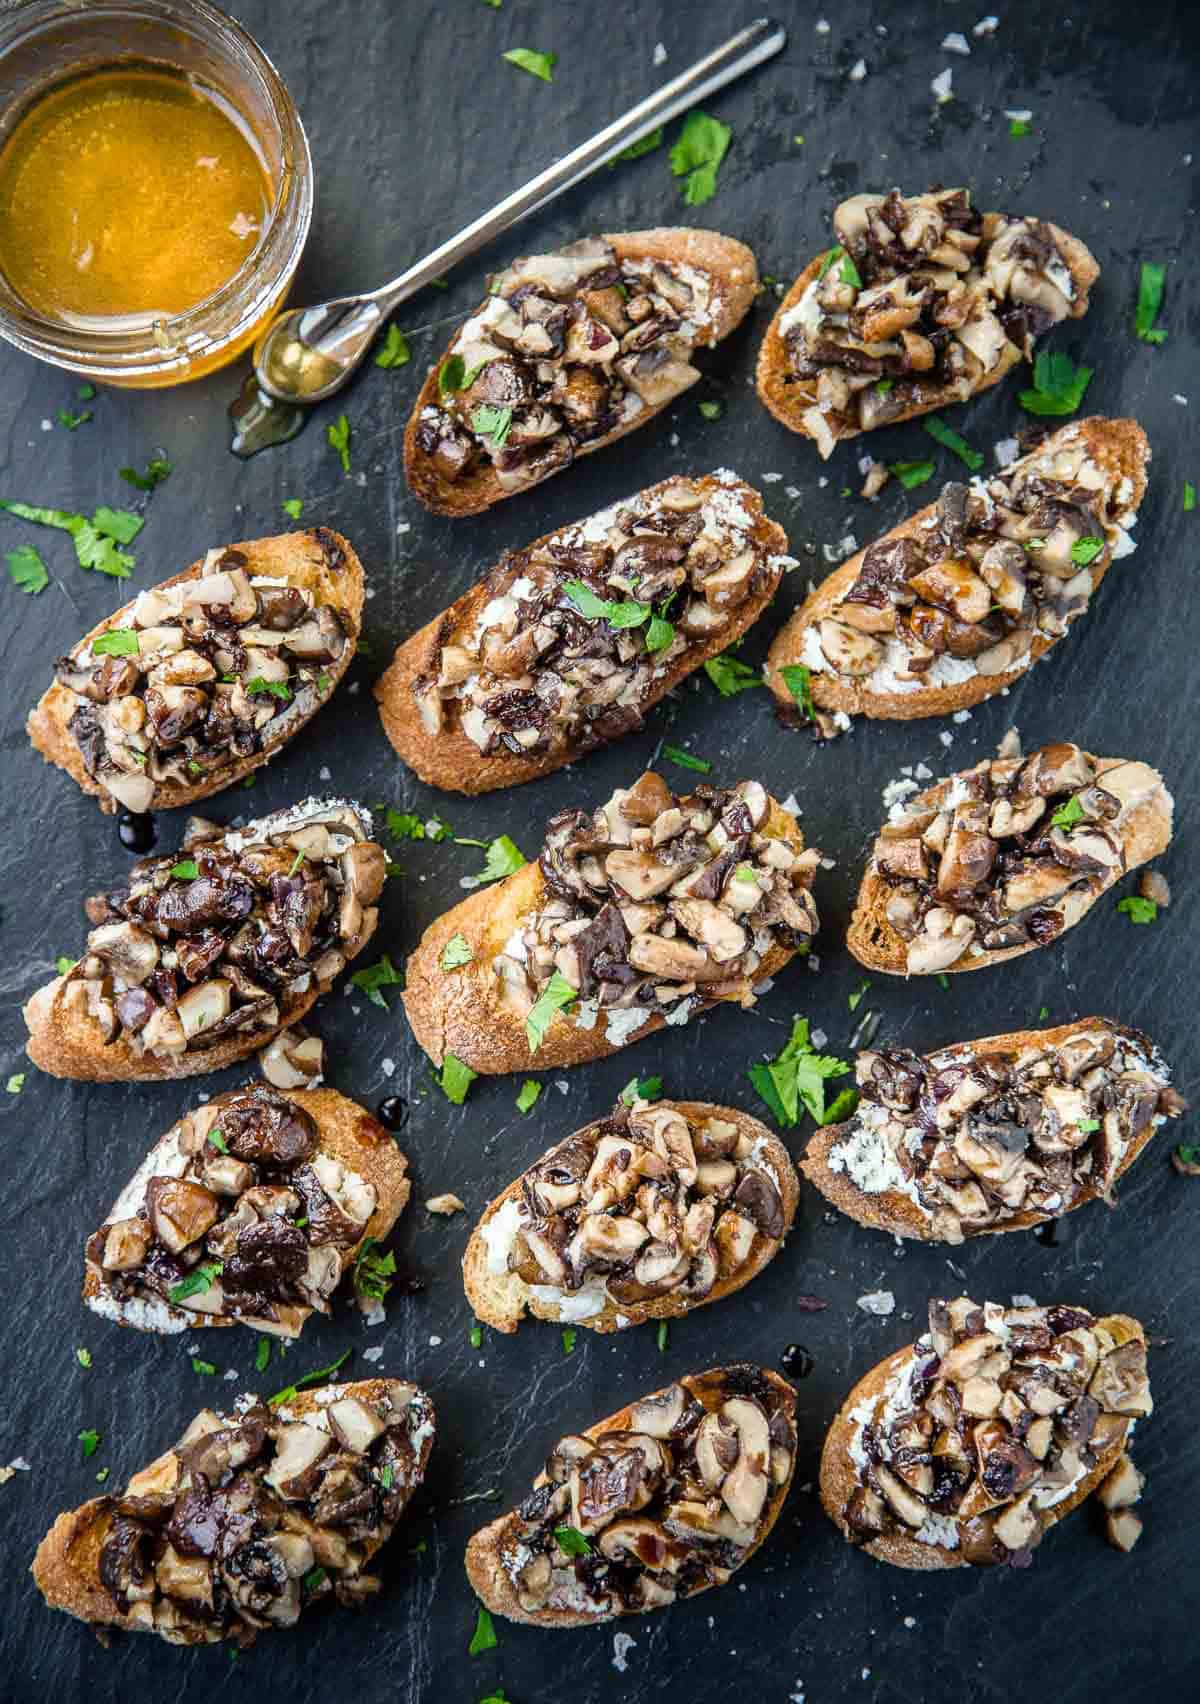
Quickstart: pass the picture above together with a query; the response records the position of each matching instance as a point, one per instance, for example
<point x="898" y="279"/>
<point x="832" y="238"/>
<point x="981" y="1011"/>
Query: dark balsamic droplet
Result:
<point x="392" y="1113"/>
<point x="1047" y="1234"/>
<point x="796" y="1361"/>
<point x="138" y="831"/>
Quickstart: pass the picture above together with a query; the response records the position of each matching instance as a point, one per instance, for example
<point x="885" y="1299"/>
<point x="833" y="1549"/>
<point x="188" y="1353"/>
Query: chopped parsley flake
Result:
<point x="275" y="688"/>
<point x="1058" y="384"/>
<point x="646" y="145"/>
<point x="685" y="760"/>
<point x="90" y="1441"/>
<point x="493" y="422"/>
<point x="375" y="977"/>
<point x="456" y="953"/>
<point x="568" y="1339"/>
<point x="395" y="351"/>
<point x="571" y="1541"/>
<point x="484" y="1636"/>
<point x="1137" y="909"/>
<point x="663" y="1335"/>
<point x="1086" y="550"/>
<point x="158" y="468"/>
<point x="798" y="1077"/>
<point x="337" y="435"/>
<point x="117" y="642"/>
<point x="711" y="410"/>
<point x="854" y="1001"/>
<point x="798" y="680"/>
<point x="911" y="474"/>
<point x="27" y="569"/>
<point x="527" y="1099"/>
<point x="374" y="1270"/>
<point x="1066" y="816"/>
<point x="1149" y="301"/>
<point x="314" y="1378"/>
<point x="84" y="1357"/>
<point x="950" y="440"/>
<point x="200" y="1278"/>
<point x="696" y="157"/>
<point x="456" y="1079"/>
<point x="262" y="1354"/>
<point x="293" y="506"/>
<point x="554" y="996"/>
<point x="204" y="1368"/>
<point x="644" y="1088"/>
<point x="186" y="870"/>
<point x="730" y="676"/>
<point x="538" y="65"/>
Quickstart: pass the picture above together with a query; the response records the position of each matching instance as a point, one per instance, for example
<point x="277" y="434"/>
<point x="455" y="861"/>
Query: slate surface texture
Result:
<point x="416" y="123"/>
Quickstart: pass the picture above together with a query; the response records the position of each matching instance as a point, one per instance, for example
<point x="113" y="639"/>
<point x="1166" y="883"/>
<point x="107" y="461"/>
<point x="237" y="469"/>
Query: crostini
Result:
<point x="665" y="1498"/>
<point x="645" y="912"/>
<point x="956" y="603"/>
<point x="202" y="679"/>
<point x="249" y="1520"/>
<point x="965" y="1447"/>
<point x="646" y="1214"/>
<point x="567" y="643"/>
<point x="568" y="353"/>
<point x="249" y="1211"/>
<point x="923" y="302"/>
<point x="996" y="1134"/>
<point x="1003" y="858"/>
<point x="200" y="956"/>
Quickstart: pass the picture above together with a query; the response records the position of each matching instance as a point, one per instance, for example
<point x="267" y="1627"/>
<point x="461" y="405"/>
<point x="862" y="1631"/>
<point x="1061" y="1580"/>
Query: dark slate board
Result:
<point x="415" y="124"/>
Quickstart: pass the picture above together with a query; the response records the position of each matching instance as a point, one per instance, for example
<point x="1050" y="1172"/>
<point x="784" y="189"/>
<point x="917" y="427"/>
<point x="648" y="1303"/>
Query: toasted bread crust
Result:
<point x="65" y="1568"/>
<point x="1117" y="445"/>
<point x="491" y="1583"/>
<point x="503" y="1300"/>
<point x="459" y="1011"/>
<point x="787" y="398"/>
<point x="838" y="1478"/>
<point x="1145" y="832"/>
<point x="346" y="1132"/>
<point x="898" y="1214"/>
<point x="300" y="558"/>
<point x="452" y="761"/>
<point x="735" y="272"/>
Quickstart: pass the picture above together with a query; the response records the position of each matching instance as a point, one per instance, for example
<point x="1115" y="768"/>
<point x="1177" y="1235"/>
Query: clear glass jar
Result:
<point x="42" y="43"/>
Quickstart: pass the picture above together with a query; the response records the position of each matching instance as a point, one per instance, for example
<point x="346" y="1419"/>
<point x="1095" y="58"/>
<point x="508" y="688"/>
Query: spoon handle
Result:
<point x="741" y="53"/>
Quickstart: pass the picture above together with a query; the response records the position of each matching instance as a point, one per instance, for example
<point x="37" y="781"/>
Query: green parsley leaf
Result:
<point x="337" y="435"/>
<point x="314" y="1579"/>
<point x="293" y="506"/>
<point x="730" y="676"/>
<point x="1187" y="1156"/>
<point x="373" y="977"/>
<point x="644" y="1088"/>
<point x="63" y="964"/>
<point x="568" y="1339"/>
<point x="527" y="1099"/>
<point x="86" y="392"/>
<point x="1087" y="1125"/>
<point x="571" y="1541"/>
<point x="696" y="157"/>
<point x="538" y="65"/>
<point x="943" y="982"/>
<point x="635" y="150"/>
<point x="395" y="351"/>
<point x="1019" y="127"/>
<point x="15" y="1083"/>
<point x="1149" y="301"/>
<point x="117" y="642"/>
<point x="659" y="634"/>
<point x="1137" y="909"/>
<point x="296" y="863"/>
<point x="1066" y="816"/>
<point x="1058" y="384"/>
<point x="798" y="680"/>
<point x="554" y="996"/>
<point x="453" y="375"/>
<point x="27" y="569"/>
<point x="103" y="1475"/>
<point x="827" y="260"/>
<point x="475" y="1337"/>
<point x="94" y="550"/>
<point x="849" y="273"/>
<point x="69" y="419"/>
<point x="618" y="615"/>
<point x="945" y="435"/>
<point x="484" y="1636"/>
<point x="373" y="1272"/>
<point x="200" y="1278"/>
<point x="403" y="825"/>
<point x="186" y="870"/>
<point x="218" y="1140"/>
<point x="158" y="468"/>
<point x="457" y="952"/>
<point x="663" y="1335"/>
<point x="204" y="1368"/>
<point x="84" y="1357"/>
<point x="711" y="410"/>
<point x="90" y="1441"/>
<point x="911" y="474"/>
<point x="324" y="682"/>
<point x="1189" y="499"/>
<point x="493" y="422"/>
<point x="503" y="859"/>
<point x="883" y="386"/>
<point x="61" y="518"/>
<point x="387" y="1477"/>
<point x="685" y="760"/>
<point x="456" y="1079"/>
<point x="262" y="1354"/>
<point x="855" y="999"/>
<point x="1086" y="550"/>
<point x="313" y="1378"/>
<point x="277" y="688"/>
<point x="1043" y="1014"/>
<point x="842" y="1106"/>
<point x="119" y="524"/>
<point x="796" y="1077"/>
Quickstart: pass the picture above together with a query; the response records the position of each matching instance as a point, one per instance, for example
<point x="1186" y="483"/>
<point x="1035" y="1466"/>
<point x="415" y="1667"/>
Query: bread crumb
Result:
<point x="445" y="1204"/>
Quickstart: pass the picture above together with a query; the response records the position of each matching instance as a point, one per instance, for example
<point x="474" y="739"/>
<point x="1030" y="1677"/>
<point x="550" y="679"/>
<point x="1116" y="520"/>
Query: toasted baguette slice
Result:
<point x="320" y="563"/>
<point x="447" y="757"/>
<point x="66" y="1568"/>
<point x="730" y="274"/>
<point x="670" y="1132"/>
<point x="72" y="1028"/>
<point x="856" y="1165"/>
<point x="230" y="1145"/>
<point x="852" y="1493"/>
<point x="789" y="397"/>
<point x="757" y="1408"/>
<point x="473" y="1014"/>
<point x="1140" y="831"/>
<point x="1116" y="448"/>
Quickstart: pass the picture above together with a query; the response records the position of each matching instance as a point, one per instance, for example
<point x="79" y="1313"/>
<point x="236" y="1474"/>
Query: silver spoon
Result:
<point x="309" y="353"/>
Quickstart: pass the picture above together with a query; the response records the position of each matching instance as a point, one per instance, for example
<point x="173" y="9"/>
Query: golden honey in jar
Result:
<point x="128" y="194"/>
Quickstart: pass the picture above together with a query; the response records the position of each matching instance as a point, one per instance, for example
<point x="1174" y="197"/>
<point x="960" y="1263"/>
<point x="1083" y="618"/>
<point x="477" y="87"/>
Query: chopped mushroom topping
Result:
<point x="1000" y="564"/>
<point x="256" y="1515"/>
<point x="543" y="668"/>
<point x="927" y="296"/>
<point x="219" y="938"/>
<point x="976" y="1139"/>
<point x="567" y="348"/>
<point x="236" y="1215"/>
<point x="995" y="1419"/>
<point x="661" y="903"/>
<point x="665" y="1511"/>
<point x="213" y="669"/>
<point x="980" y="863"/>
<point x="646" y="1203"/>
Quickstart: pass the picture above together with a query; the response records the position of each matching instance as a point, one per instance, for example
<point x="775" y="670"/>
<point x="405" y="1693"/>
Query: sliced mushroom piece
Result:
<point x="745" y="1489"/>
<point x="1122" y="1528"/>
<point x="132" y="952"/>
<point x="928" y="952"/>
<point x="355" y="1425"/>
<point x="293" y="1060"/>
<point x="673" y="960"/>
<point x="638" y="1541"/>
<point x="180" y="1212"/>
<point x="225" y="1175"/>
<point x="661" y="1266"/>
<point x="608" y="1241"/>
<point x="639" y="875"/>
<point x="298" y="1450"/>
<point x="533" y="1582"/>
<point x="1123" y="1486"/>
<point x="952" y="584"/>
<point x="693" y="1522"/>
<point x="662" y="1415"/>
<point x="848" y="649"/>
<point x="734" y="1237"/>
<point x="1120" y="1384"/>
<point x="187" y="1578"/>
<point x="126" y="1244"/>
<point x="1036" y="883"/>
<point x="202" y="1007"/>
<point x="1018" y="1526"/>
<point x="910" y="1509"/>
